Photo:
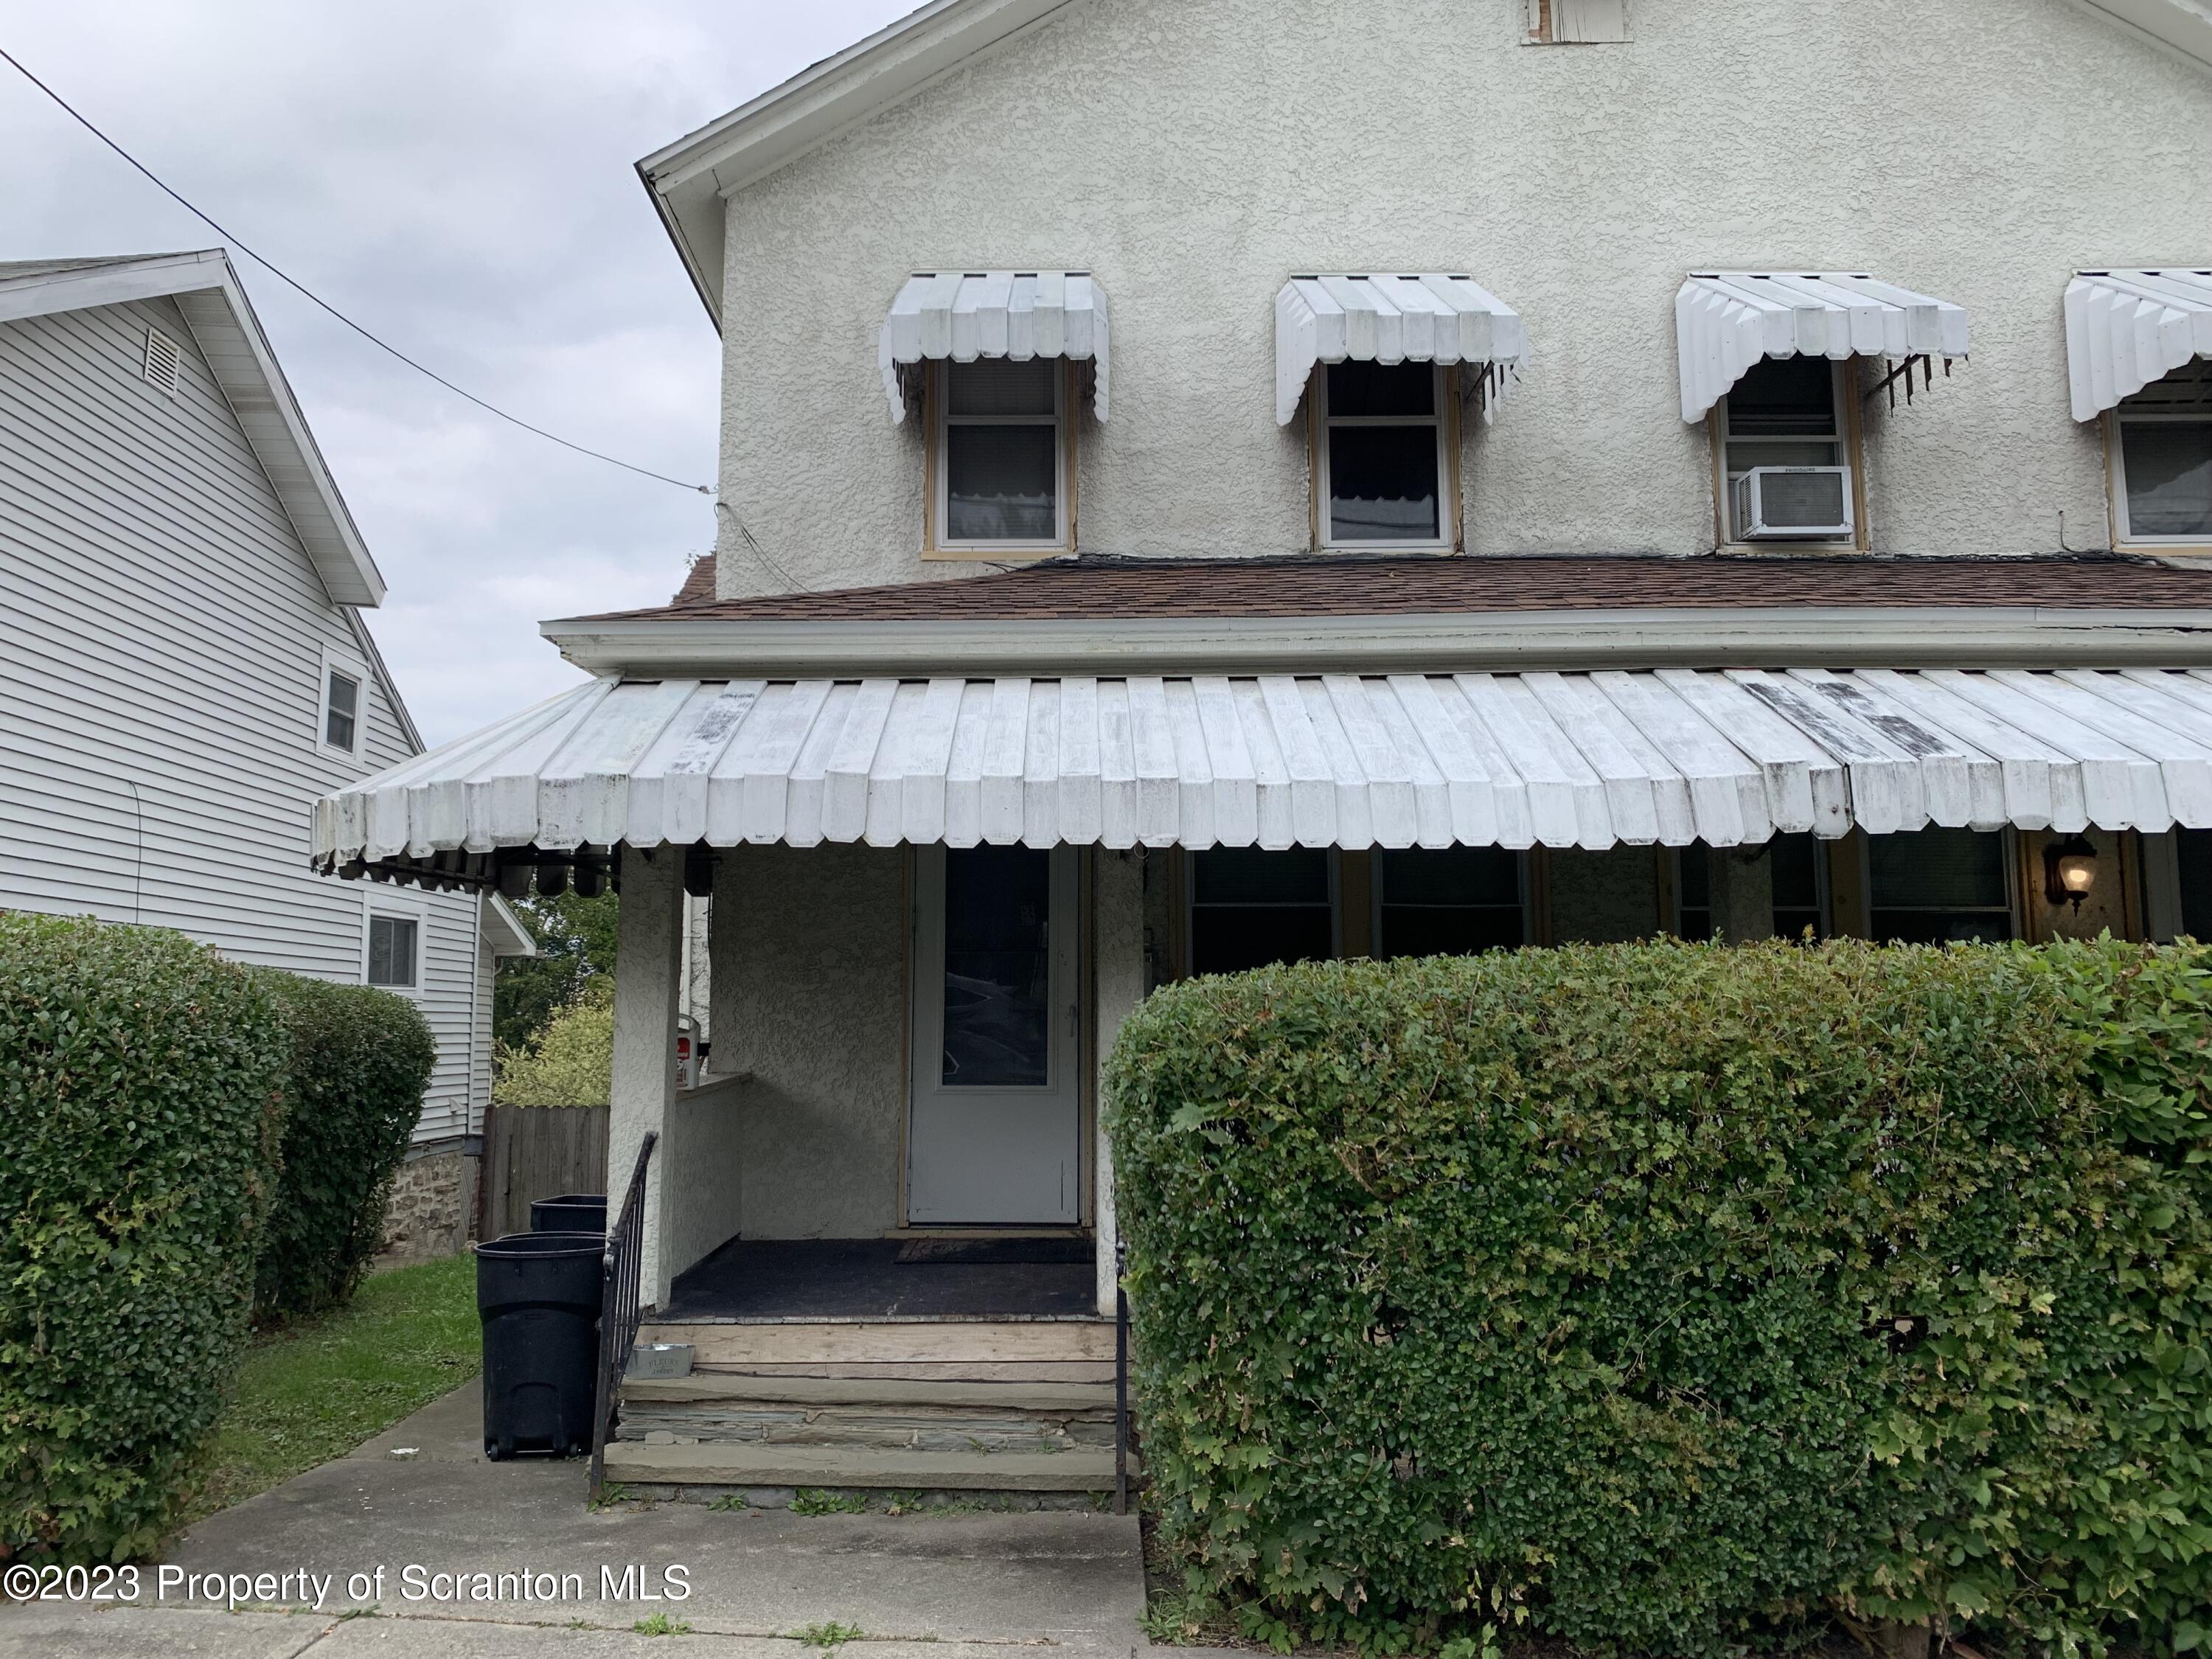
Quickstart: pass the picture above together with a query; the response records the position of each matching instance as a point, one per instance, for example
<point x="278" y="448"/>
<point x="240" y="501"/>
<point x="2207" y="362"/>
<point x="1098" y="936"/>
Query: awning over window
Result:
<point x="2127" y="328"/>
<point x="1386" y="319"/>
<point x="1021" y="315"/>
<point x="1725" y="321"/>
<point x="1592" y="760"/>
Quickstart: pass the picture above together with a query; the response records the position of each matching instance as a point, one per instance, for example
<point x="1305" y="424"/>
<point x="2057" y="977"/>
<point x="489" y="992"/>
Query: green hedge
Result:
<point x="1666" y="1295"/>
<point x="361" y="1059"/>
<point x="141" y="1096"/>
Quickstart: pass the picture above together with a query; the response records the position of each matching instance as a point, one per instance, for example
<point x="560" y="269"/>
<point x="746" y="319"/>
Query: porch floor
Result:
<point x="865" y="1278"/>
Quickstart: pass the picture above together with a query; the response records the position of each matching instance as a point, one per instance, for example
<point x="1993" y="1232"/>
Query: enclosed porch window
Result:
<point x="1249" y="908"/>
<point x="1454" y="901"/>
<point x="1935" y="886"/>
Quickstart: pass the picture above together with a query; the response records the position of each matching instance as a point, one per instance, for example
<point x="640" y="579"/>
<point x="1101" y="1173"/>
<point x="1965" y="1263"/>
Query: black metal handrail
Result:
<point x="619" y="1309"/>
<point x="1120" y="1381"/>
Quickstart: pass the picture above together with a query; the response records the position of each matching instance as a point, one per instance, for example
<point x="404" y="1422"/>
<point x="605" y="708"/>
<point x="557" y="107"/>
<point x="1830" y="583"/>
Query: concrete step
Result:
<point x="893" y="1414"/>
<point x="853" y="1469"/>
<point x="962" y="1347"/>
<point x="717" y="1386"/>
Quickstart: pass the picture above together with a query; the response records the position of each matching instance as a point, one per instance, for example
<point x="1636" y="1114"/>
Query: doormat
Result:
<point x="997" y="1252"/>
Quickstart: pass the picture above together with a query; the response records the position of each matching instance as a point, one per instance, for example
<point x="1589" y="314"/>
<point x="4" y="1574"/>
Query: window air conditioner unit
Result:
<point x="1777" y="501"/>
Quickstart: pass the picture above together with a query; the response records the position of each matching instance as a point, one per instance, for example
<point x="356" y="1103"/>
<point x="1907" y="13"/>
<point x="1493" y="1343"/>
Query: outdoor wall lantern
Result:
<point x="2069" y="871"/>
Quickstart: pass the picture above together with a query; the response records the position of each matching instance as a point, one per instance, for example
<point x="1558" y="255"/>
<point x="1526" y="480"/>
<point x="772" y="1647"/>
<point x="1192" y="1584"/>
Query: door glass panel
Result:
<point x="998" y="968"/>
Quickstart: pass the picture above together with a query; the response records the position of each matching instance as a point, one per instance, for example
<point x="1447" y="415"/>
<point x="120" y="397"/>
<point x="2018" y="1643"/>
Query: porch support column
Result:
<point x="1117" y="909"/>
<point x="1741" y="879"/>
<point x="648" y="972"/>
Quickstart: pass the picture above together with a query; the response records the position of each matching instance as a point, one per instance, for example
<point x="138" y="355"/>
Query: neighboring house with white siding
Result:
<point x="183" y="665"/>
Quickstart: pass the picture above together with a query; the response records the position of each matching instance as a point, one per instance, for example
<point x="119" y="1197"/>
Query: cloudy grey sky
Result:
<point x="456" y="174"/>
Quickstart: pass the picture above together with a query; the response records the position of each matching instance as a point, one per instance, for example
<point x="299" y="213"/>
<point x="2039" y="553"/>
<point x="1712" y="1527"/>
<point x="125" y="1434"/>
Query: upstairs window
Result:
<point x="1785" y="438"/>
<point x="1001" y="456"/>
<point x="392" y="942"/>
<point x="340" y="716"/>
<point x="2162" y="460"/>
<point x="1384" y="463"/>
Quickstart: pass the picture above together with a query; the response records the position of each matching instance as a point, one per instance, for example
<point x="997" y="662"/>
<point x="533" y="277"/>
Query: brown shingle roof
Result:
<point x="698" y="582"/>
<point x="1101" y="589"/>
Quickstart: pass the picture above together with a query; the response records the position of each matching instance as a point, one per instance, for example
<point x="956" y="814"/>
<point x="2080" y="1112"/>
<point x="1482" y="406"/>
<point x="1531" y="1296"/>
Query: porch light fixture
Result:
<point x="2069" y="871"/>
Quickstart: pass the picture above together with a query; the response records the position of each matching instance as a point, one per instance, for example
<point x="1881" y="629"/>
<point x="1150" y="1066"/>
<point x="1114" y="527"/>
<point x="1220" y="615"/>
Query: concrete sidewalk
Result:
<point x="504" y="1559"/>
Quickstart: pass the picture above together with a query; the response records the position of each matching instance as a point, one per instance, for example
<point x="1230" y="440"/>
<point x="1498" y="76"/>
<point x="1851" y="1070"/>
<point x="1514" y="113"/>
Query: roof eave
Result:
<point x="1916" y="636"/>
<point x="2185" y="26"/>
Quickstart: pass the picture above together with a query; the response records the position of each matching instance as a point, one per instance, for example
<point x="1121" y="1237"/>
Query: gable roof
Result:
<point x="208" y="292"/>
<point x="688" y="179"/>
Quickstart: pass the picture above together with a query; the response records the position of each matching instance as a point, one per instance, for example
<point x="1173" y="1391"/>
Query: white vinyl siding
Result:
<point x="163" y="638"/>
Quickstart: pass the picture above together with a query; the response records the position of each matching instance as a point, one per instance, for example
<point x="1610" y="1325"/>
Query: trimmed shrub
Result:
<point x="141" y="1097"/>
<point x="360" y="1059"/>
<point x="1661" y="1295"/>
<point x="570" y="1063"/>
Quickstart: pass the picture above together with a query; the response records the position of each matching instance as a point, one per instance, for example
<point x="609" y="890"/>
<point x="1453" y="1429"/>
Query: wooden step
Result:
<point x="729" y="1346"/>
<point x="1059" y="1398"/>
<point x="841" y="1467"/>
<point x="955" y="1370"/>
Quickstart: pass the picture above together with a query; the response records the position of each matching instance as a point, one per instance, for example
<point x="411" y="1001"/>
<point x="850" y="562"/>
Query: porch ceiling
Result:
<point x="1668" y="756"/>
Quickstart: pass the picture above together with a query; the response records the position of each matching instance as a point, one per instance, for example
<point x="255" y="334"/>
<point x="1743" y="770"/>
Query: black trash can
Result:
<point x="571" y="1212"/>
<point x="538" y="1297"/>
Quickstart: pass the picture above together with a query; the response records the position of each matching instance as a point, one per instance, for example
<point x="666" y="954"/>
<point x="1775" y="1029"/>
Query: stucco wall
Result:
<point x="810" y="997"/>
<point x="1194" y="153"/>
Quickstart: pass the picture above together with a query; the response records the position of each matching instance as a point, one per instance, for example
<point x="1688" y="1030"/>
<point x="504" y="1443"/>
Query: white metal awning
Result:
<point x="2127" y="328"/>
<point x="1591" y="760"/>
<point x="1020" y="314"/>
<point x="1725" y="321"/>
<point x="1386" y="319"/>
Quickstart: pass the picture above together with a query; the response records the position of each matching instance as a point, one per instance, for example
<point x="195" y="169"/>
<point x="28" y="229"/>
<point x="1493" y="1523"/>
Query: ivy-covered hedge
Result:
<point x="360" y="1059"/>
<point x="141" y="1097"/>
<point x="1664" y="1295"/>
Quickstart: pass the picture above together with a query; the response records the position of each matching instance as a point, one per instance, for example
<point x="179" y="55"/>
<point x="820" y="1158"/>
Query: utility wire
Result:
<point x="292" y="282"/>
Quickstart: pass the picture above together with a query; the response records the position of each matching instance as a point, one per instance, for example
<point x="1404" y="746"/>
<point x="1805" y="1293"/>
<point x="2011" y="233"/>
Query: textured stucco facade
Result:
<point x="1194" y="154"/>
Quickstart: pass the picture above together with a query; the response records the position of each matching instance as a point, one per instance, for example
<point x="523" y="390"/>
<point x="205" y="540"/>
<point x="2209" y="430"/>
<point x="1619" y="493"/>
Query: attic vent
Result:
<point x="163" y="360"/>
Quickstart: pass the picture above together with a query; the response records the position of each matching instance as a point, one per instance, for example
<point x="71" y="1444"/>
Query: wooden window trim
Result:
<point x="1853" y="437"/>
<point x="935" y="547"/>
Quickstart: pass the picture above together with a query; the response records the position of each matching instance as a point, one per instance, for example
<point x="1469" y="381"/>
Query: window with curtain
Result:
<point x="1933" y="886"/>
<point x="1455" y="901"/>
<point x="1382" y="461"/>
<point x="2162" y="462"/>
<point x="1249" y="908"/>
<point x="1001" y="471"/>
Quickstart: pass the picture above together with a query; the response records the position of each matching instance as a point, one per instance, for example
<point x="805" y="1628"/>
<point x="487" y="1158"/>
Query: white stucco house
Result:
<point x="183" y="666"/>
<point x="1206" y="482"/>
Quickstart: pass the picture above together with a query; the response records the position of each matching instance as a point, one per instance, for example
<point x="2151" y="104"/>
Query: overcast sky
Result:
<point x="458" y="177"/>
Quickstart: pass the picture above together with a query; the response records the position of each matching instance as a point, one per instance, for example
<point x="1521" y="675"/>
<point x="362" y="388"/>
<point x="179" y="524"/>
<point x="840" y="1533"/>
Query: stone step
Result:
<point x="896" y="1413"/>
<point x="835" y="1468"/>
<point x="703" y="1387"/>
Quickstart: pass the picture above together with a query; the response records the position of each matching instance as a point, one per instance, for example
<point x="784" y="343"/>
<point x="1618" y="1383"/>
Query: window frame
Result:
<point x="1823" y="897"/>
<point x="2015" y="910"/>
<point x="1378" y="899"/>
<point x="1446" y="419"/>
<point x="937" y="542"/>
<point x="335" y="661"/>
<point x="397" y="906"/>
<point x="1850" y="439"/>
<point x="1191" y="906"/>
<point x="2116" y="484"/>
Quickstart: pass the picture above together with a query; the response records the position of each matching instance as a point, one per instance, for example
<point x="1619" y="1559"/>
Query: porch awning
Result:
<point x="2127" y="328"/>
<point x="964" y="315"/>
<point x="1725" y="321"/>
<point x="1386" y="319"/>
<point x="1591" y="760"/>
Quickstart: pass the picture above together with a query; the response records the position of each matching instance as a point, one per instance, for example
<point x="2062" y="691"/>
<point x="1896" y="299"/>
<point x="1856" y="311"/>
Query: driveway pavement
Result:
<point x="413" y="1547"/>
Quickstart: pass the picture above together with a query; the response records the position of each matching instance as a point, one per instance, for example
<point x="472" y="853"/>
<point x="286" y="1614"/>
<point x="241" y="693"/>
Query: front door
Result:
<point x="996" y="1135"/>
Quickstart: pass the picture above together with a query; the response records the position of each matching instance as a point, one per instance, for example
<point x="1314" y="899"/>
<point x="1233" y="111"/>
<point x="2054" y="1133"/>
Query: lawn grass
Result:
<point x="314" y="1390"/>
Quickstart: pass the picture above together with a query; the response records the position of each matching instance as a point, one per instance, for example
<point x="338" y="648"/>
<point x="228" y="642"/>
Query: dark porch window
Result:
<point x="1453" y="901"/>
<point x="998" y="968"/>
<point x="1249" y="908"/>
<point x="2192" y="850"/>
<point x="1934" y="886"/>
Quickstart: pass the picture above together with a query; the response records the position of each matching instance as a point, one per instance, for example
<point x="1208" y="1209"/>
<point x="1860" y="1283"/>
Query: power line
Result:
<point x="292" y="282"/>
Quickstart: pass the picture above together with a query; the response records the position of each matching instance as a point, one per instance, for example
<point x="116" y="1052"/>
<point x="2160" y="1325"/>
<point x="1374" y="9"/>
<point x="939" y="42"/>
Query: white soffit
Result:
<point x="961" y="316"/>
<point x="2125" y="329"/>
<point x="1725" y="321"/>
<point x="1386" y="319"/>
<point x="1590" y="760"/>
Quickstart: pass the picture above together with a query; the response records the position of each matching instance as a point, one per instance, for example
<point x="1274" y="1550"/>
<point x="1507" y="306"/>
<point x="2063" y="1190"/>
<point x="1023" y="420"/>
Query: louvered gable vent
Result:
<point x="163" y="360"/>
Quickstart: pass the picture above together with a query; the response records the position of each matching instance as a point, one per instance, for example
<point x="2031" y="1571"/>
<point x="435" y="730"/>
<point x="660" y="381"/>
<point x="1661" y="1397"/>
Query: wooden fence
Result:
<point x="539" y="1151"/>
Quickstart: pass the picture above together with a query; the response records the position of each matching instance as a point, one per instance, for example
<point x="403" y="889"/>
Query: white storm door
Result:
<point x="996" y="1135"/>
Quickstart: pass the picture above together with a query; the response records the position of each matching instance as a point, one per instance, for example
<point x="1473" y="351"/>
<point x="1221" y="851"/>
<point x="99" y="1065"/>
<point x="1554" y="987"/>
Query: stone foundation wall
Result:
<point x="433" y="1203"/>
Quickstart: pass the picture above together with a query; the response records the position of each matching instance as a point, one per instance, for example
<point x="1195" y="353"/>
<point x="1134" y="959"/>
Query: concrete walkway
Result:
<point x="503" y="1558"/>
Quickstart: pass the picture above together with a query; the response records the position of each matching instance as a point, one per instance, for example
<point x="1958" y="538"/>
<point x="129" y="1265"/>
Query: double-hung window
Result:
<point x="341" y="711"/>
<point x="1454" y="900"/>
<point x="1385" y="457"/>
<point x="1001" y="457"/>
<point x="1249" y="908"/>
<point x="2162" y="460"/>
<point x="393" y="946"/>
<point x="1785" y="441"/>
<point x="1934" y="886"/>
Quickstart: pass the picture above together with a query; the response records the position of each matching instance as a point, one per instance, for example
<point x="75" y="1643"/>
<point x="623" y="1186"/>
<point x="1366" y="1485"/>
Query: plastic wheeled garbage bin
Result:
<point x="571" y="1212"/>
<point x="537" y="1295"/>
